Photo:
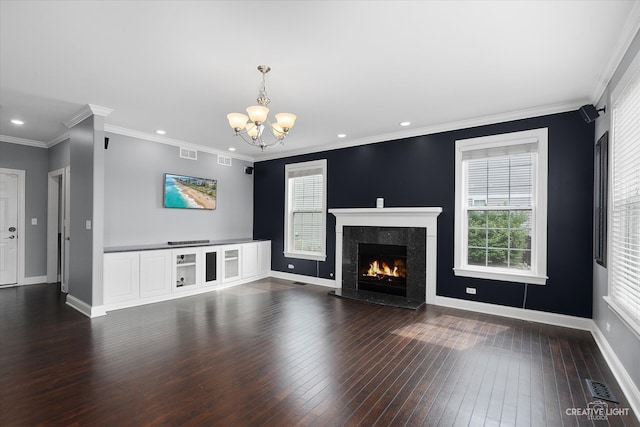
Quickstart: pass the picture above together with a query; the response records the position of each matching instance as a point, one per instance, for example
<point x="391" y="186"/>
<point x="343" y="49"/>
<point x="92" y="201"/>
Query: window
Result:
<point x="624" y="256"/>
<point x="501" y="207"/>
<point x="306" y="210"/>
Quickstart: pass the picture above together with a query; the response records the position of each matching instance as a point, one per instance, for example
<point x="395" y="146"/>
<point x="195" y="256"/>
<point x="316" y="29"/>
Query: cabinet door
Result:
<point x="155" y="273"/>
<point x="249" y="260"/>
<point x="211" y="266"/>
<point x="121" y="277"/>
<point x="231" y="263"/>
<point x="264" y="257"/>
<point x="186" y="269"/>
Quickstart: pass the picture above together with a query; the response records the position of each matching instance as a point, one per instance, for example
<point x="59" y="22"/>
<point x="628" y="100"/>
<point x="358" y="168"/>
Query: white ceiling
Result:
<point x="353" y="67"/>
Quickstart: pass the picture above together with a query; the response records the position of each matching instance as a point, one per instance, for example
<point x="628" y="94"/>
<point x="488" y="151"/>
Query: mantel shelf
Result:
<point x="386" y="211"/>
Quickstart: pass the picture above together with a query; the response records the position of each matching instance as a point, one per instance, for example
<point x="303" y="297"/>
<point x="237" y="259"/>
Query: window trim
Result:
<point x="538" y="273"/>
<point x="289" y="252"/>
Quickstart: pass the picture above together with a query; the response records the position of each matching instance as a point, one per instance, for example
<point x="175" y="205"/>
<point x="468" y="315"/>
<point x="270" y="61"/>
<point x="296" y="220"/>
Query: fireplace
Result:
<point x="382" y="268"/>
<point x="403" y="248"/>
<point x="413" y="228"/>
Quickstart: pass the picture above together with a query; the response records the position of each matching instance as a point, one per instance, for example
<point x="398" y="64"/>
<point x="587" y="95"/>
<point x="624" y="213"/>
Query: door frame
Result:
<point x="21" y="223"/>
<point x="57" y="185"/>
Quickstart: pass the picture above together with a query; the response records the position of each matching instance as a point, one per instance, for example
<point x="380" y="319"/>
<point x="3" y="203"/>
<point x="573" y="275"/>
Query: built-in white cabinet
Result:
<point x="121" y="277"/>
<point x="140" y="277"/>
<point x="155" y="273"/>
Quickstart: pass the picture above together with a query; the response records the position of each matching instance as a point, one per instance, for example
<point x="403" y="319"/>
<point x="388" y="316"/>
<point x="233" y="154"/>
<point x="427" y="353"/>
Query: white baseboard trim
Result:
<point x="306" y="279"/>
<point x="34" y="280"/>
<point x="517" y="313"/>
<point x="627" y="385"/>
<point x="84" y="308"/>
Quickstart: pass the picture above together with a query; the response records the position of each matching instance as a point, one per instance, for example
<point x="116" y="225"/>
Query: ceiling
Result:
<point x="353" y="67"/>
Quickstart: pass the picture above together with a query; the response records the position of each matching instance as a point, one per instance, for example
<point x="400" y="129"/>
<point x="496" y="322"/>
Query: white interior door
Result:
<point x="8" y="228"/>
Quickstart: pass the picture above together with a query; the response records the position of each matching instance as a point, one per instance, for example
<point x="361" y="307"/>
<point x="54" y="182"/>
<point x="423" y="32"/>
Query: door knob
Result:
<point x="12" y="229"/>
<point x="11" y="237"/>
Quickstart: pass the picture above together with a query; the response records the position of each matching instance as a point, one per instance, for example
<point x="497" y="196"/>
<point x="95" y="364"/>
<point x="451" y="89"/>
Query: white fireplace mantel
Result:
<point x="392" y="217"/>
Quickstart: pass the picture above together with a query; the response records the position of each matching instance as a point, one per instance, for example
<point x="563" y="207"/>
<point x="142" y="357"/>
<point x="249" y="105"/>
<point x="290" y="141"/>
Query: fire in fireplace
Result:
<point x="382" y="268"/>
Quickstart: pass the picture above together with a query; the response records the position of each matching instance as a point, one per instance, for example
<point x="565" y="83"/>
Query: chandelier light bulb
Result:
<point x="277" y="131"/>
<point x="253" y="131"/>
<point x="237" y="121"/>
<point x="258" y="113"/>
<point x="286" y="120"/>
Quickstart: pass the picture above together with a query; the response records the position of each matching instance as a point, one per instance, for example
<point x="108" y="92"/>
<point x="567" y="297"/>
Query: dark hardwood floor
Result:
<point x="275" y="353"/>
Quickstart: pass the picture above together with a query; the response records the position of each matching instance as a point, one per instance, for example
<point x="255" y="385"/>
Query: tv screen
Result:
<point x="189" y="192"/>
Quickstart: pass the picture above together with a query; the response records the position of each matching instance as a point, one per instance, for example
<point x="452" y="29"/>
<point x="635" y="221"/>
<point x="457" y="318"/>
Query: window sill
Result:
<point x="501" y="276"/>
<point x="628" y="320"/>
<point x="306" y="255"/>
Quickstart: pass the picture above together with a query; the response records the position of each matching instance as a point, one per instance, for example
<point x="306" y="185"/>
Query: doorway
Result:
<point x="11" y="226"/>
<point x="58" y="237"/>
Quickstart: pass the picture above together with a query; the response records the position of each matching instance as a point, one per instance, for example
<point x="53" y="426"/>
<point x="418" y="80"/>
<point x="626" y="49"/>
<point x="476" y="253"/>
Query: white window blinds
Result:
<point x="307" y="211"/>
<point x="624" y="284"/>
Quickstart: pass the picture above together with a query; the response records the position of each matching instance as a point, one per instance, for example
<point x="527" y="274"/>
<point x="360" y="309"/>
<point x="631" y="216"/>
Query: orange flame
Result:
<point x="377" y="269"/>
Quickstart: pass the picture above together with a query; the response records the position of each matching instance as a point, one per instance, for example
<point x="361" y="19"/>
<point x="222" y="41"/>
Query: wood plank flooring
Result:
<point x="275" y="353"/>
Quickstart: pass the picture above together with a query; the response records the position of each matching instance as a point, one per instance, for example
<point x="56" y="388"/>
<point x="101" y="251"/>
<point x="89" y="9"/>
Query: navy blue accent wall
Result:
<point x="419" y="171"/>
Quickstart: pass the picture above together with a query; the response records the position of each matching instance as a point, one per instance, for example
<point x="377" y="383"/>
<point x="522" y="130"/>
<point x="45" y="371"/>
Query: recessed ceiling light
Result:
<point x="232" y="148"/>
<point x="160" y="132"/>
<point x="405" y="123"/>
<point x="342" y="135"/>
<point x="17" y="122"/>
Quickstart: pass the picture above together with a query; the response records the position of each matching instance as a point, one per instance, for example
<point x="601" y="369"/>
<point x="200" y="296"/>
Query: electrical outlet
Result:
<point x="34" y="221"/>
<point x="608" y="327"/>
<point x="471" y="291"/>
<point x="291" y="266"/>
<point x="330" y="274"/>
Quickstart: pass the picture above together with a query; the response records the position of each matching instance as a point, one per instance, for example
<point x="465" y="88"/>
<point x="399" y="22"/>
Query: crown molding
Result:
<point x="429" y="130"/>
<point x="22" y="141"/>
<point x="627" y="34"/>
<point x="58" y="139"/>
<point x="86" y="112"/>
<point x="175" y="142"/>
<point x="127" y="132"/>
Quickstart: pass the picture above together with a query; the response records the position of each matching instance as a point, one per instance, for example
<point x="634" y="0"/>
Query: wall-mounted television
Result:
<point x="189" y="192"/>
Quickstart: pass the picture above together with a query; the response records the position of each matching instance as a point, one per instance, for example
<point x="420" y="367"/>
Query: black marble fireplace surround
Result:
<point x="414" y="238"/>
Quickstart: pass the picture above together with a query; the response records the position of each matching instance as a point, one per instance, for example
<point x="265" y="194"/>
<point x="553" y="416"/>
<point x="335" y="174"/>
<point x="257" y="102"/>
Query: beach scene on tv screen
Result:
<point x="189" y="192"/>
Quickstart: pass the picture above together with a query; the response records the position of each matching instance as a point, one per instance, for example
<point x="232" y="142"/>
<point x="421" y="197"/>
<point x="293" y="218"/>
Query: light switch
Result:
<point x="34" y="221"/>
<point x="87" y="224"/>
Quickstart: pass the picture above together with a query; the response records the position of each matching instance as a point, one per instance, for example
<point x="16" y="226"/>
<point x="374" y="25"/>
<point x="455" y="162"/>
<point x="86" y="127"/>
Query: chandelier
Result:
<point x="252" y="128"/>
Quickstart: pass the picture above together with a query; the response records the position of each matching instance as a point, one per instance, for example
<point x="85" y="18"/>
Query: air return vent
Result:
<point x="601" y="391"/>
<point x="187" y="153"/>
<point x="224" y="160"/>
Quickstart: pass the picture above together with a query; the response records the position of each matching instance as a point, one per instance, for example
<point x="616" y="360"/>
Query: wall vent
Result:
<point x="187" y="153"/>
<point x="224" y="160"/>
